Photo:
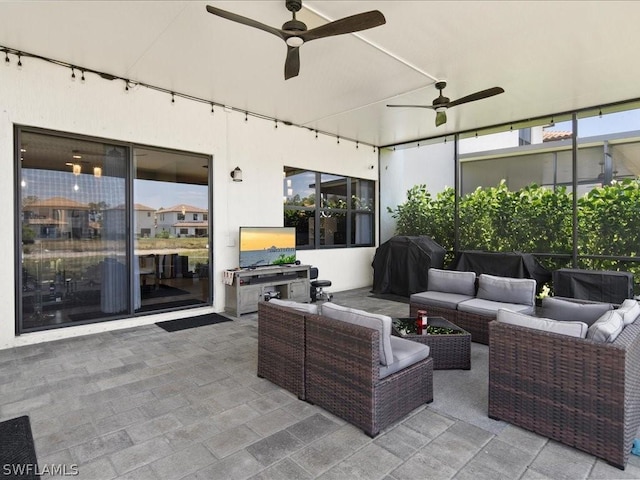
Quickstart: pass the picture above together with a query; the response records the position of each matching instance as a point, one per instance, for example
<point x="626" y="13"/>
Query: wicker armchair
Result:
<point x="343" y="376"/>
<point x="281" y="347"/>
<point x="576" y="391"/>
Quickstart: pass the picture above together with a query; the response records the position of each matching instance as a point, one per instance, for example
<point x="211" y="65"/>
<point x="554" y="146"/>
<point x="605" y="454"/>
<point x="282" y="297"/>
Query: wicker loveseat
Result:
<point x="583" y="392"/>
<point x="452" y="294"/>
<point x="336" y="364"/>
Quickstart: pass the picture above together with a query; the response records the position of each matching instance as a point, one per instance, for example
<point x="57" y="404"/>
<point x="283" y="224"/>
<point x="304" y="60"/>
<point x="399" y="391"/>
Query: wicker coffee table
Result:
<point x="448" y="350"/>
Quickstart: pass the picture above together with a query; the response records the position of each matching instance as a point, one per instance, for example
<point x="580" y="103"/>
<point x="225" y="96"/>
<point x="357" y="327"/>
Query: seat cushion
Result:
<point x="382" y="323"/>
<point x="630" y="311"/>
<point x="490" y="308"/>
<point x="439" y="299"/>
<point x="560" y="309"/>
<point x="452" y="281"/>
<point x="573" y="329"/>
<point x="300" y="307"/>
<point x="607" y="328"/>
<point x="405" y="354"/>
<point x="506" y="289"/>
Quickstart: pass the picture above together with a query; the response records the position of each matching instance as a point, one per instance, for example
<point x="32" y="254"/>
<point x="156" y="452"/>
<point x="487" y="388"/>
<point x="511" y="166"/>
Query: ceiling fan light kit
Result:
<point x="295" y="33"/>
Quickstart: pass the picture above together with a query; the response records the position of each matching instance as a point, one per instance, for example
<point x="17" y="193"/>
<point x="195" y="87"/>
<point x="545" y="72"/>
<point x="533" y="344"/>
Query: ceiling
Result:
<point x="549" y="57"/>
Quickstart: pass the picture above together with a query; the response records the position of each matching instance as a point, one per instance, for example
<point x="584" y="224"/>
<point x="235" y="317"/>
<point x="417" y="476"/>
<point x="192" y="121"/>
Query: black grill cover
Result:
<point x="503" y="264"/>
<point x="400" y="265"/>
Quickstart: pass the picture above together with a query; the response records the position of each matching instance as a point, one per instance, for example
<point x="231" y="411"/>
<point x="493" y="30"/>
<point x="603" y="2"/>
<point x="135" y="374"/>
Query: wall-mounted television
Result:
<point x="264" y="246"/>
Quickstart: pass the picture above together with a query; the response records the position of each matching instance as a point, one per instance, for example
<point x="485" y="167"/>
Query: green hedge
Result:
<point x="533" y="219"/>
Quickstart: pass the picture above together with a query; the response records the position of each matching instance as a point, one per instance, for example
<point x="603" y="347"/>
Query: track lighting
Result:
<point x="246" y="116"/>
<point x="316" y="133"/>
<point x="82" y="76"/>
<point x="276" y="123"/>
<point x="6" y="58"/>
<point x="212" y="108"/>
<point x="73" y="74"/>
<point x="357" y="146"/>
<point x="173" y="98"/>
<point x="19" y="61"/>
<point x="338" y="140"/>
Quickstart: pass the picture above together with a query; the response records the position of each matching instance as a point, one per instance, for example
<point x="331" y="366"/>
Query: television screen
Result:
<point x="263" y="246"/>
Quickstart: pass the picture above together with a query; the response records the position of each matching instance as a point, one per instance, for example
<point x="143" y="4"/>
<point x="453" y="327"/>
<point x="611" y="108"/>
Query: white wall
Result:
<point x="43" y="95"/>
<point x="401" y="169"/>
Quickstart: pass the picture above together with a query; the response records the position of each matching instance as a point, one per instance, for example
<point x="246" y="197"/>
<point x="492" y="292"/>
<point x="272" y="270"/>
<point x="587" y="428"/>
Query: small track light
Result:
<point x="212" y="108"/>
<point x="357" y="146"/>
<point x="19" y="61"/>
<point x="276" y="123"/>
<point x="73" y="74"/>
<point x="246" y="116"/>
<point x="173" y="98"/>
<point x="316" y="133"/>
<point x="6" y="58"/>
<point x="82" y="76"/>
<point x="338" y="140"/>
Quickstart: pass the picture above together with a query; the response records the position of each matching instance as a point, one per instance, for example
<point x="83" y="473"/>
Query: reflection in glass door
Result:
<point x="74" y="266"/>
<point x="171" y="229"/>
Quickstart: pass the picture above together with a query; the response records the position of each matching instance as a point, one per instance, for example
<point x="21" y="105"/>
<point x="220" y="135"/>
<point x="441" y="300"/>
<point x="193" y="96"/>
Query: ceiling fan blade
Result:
<point x="245" y="21"/>
<point x="354" y="23"/>
<point x="292" y="64"/>
<point x="441" y="118"/>
<point x="413" y="106"/>
<point x="490" y="92"/>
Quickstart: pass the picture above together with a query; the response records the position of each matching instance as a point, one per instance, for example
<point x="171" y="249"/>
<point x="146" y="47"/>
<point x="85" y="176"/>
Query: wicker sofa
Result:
<point x="583" y="392"/>
<point x="336" y="364"/>
<point x="453" y="295"/>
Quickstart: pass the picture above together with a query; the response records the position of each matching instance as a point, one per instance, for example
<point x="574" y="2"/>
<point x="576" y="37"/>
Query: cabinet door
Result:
<point x="248" y="298"/>
<point x="299" y="291"/>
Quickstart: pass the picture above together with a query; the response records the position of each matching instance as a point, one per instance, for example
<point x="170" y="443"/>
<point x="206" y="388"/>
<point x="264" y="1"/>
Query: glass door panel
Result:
<point x="74" y="265"/>
<point x="171" y="230"/>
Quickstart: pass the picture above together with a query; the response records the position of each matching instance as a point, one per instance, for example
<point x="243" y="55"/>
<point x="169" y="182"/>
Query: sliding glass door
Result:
<point x="74" y="264"/>
<point x="171" y="229"/>
<point x="107" y="230"/>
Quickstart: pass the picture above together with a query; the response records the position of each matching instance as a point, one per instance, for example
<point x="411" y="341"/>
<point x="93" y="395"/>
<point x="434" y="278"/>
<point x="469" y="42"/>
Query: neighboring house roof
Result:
<point x="57" y="202"/>
<point x="187" y="209"/>
<point x="140" y="207"/>
<point x="190" y="224"/>
<point x="553" y="136"/>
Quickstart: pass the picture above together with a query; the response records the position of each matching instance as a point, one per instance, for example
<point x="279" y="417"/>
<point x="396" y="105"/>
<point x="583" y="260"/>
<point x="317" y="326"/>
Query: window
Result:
<point x="343" y="216"/>
<point x="184" y="231"/>
<point x="181" y="216"/>
<point x="195" y="217"/>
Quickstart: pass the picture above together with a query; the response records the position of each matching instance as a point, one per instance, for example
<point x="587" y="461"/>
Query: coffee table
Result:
<point x="449" y="350"/>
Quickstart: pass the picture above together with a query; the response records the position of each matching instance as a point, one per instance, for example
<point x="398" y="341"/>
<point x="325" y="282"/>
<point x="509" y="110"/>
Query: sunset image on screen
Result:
<point x="263" y="238"/>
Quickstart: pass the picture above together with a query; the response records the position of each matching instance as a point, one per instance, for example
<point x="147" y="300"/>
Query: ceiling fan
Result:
<point x="295" y="33"/>
<point x="442" y="103"/>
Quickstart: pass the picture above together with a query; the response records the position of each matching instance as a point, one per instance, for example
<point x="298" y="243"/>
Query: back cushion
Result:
<point x="606" y="328"/>
<point x="630" y="311"/>
<point x="452" y="281"/>
<point x="382" y="323"/>
<point x="506" y="289"/>
<point x="300" y="307"/>
<point x="560" y="309"/>
<point x="572" y="329"/>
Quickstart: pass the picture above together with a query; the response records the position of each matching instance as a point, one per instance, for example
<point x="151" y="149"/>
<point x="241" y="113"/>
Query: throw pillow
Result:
<point x="300" y="307"/>
<point x="630" y="311"/>
<point x="607" y="328"/>
<point x="572" y="329"/>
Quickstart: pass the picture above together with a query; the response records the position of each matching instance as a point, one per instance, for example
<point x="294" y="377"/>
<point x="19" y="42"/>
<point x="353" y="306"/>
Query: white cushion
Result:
<point x="300" y="307"/>
<point x="606" y="328"/>
<point x="507" y="289"/>
<point x="630" y="311"/>
<point x="572" y="329"/>
<point x="439" y="299"/>
<point x="382" y="323"/>
<point x="452" y="281"/>
<point x="405" y="354"/>
<point x="489" y="308"/>
<point x="561" y="309"/>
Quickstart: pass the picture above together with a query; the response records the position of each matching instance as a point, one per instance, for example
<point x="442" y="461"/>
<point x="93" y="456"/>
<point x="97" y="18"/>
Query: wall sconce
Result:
<point x="97" y="172"/>
<point x="236" y="174"/>
<point x="77" y="168"/>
